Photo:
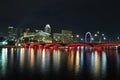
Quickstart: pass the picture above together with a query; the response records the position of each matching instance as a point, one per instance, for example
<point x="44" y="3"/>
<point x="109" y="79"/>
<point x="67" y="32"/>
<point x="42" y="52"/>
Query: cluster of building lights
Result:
<point x="47" y="36"/>
<point x="93" y="37"/>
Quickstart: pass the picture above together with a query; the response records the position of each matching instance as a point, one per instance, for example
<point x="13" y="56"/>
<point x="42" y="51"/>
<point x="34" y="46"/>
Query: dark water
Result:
<point x="72" y="64"/>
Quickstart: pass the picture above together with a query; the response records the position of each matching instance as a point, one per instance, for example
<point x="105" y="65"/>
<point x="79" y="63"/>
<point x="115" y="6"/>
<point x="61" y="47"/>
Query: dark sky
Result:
<point x="76" y="15"/>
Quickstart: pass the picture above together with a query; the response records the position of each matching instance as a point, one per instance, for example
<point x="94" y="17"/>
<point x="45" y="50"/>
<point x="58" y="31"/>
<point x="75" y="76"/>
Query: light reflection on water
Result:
<point x="22" y="57"/>
<point x="45" y="61"/>
<point x="118" y="61"/>
<point x="104" y="63"/>
<point x="81" y="59"/>
<point x="97" y="64"/>
<point x="56" y="59"/>
<point x="3" y="61"/>
<point x="77" y="62"/>
<point x="92" y="62"/>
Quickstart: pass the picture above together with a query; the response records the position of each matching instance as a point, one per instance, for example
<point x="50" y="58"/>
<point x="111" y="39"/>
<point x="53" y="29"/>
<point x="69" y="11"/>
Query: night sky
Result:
<point x="79" y="16"/>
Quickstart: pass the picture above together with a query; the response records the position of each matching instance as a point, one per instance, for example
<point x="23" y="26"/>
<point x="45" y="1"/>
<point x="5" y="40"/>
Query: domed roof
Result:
<point x="47" y="26"/>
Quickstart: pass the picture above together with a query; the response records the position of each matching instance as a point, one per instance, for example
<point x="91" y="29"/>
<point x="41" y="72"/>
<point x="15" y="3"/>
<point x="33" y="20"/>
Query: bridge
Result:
<point x="67" y="45"/>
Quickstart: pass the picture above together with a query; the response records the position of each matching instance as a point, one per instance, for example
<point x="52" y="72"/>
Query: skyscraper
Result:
<point x="67" y="36"/>
<point x="47" y="28"/>
<point x="10" y="30"/>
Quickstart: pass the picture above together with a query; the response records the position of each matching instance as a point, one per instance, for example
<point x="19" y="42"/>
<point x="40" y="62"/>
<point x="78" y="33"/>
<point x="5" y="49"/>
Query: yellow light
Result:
<point x="97" y="64"/>
<point x="70" y="60"/>
<point x="22" y="57"/>
<point x="77" y="64"/>
<point x="31" y="58"/>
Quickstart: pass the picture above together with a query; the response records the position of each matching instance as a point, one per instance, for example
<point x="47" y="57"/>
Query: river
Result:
<point x="59" y="64"/>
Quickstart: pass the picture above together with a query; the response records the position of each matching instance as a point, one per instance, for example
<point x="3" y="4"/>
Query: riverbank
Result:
<point x="10" y="46"/>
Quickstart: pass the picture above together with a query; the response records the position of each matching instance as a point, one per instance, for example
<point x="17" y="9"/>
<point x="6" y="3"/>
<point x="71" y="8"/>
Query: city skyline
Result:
<point x="20" y="31"/>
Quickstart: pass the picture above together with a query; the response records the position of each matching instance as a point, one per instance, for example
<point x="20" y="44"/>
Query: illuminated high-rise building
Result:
<point x="10" y="30"/>
<point x="47" y="28"/>
<point x="57" y="37"/>
<point x="28" y="29"/>
<point x="67" y="36"/>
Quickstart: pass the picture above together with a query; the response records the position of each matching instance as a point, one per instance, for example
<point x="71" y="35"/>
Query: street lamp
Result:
<point x="118" y="38"/>
<point x="104" y="38"/>
<point x="98" y="32"/>
<point x="95" y="35"/>
<point x="92" y="39"/>
<point x="77" y="36"/>
<point x="103" y="34"/>
<point x="81" y="39"/>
